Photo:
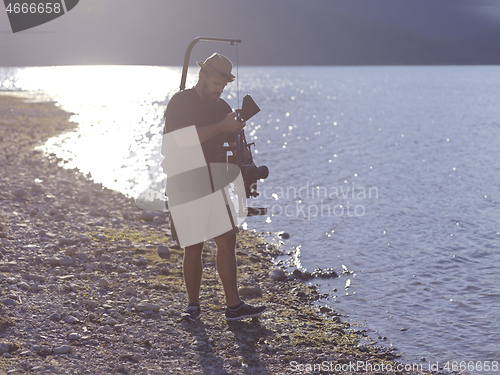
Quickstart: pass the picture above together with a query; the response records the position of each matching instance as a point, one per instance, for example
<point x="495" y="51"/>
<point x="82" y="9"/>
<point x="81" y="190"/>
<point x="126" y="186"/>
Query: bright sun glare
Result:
<point x="117" y="109"/>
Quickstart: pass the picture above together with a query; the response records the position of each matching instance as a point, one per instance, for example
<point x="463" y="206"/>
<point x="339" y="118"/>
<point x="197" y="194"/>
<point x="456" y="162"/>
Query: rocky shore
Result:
<point x="90" y="284"/>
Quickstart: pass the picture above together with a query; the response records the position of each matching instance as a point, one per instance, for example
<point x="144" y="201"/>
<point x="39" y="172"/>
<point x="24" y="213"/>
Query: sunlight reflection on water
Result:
<point x="117" y="108"/>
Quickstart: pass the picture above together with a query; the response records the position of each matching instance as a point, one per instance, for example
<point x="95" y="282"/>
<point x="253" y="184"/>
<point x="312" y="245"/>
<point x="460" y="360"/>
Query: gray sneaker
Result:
<point x="244" y="311"/>
<point x="192" y="313"/>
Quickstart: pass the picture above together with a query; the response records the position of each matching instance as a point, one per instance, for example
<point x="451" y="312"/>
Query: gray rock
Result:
<point x="66" y="277"/>
<point x="67" y="261"/>
<point x="70" y="319"/>
<point x="122" y="369"/>
<point x="74" y="336"/>
<point x="20" y="193"/>
<point x="9" y="302"/>
<point x="89" y="267"/>
<point x="82" y="257"/>
<point x="36" y="288"/>
<point x="236" y="362"/>
<point x="36" y="278"/>
<point x="44" y="351"/>
<point x="8" y="347"/>
<point x="24" y="285"/>
<point x="71" y="251"/>
<point x="48" y="234"/>
<point x="59" y="216"/>
<point x="277" y="274"/>
<point x="269" y="348"/>
<point x="148" y="216"/>
<point x="9" y="267"/>
<point x="71" y="287"/>
<point x="31" y="248"/>
<point x="66" y="241"/>
<point x="99" y="252"/>
<point x="37" y="188"/>
<point x="103" y="283"/>
<point x="131" y="291"/>
<point x="140" y="261"/>
<point x="55" y="317"/>
<point x="164" y="270"/>
<point x="250" y="291"/>
<point x="110" y="321"/>
<point x="145" y="306"/>
<point x="83" y="238"/>
<point x="54" y="261"/>
<point x="158" y="220"/>
<point x="105" y="328"/>
<point x="163" y="252"/>
<point x="63" y="349"/>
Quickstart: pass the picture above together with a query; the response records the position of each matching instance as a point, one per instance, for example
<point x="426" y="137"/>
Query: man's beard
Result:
<point x="209" y="97"/>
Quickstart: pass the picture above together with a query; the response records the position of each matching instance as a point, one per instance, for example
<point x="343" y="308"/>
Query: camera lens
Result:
<point x="256" y="173"/>
<point x="263" y="172"/>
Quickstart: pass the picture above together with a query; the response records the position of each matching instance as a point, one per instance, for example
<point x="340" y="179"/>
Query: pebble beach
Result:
<point x="91" y="284"/>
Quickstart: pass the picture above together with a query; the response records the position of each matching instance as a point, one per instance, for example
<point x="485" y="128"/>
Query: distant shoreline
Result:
<point x="270" y="65"/>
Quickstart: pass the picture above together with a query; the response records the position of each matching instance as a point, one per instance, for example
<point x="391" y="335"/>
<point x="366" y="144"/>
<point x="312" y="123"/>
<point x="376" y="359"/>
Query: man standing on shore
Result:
<point x="193" y="118"/>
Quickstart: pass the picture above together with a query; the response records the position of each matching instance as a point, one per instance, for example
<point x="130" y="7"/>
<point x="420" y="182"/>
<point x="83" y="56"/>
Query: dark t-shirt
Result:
<point x="187" y="108"/>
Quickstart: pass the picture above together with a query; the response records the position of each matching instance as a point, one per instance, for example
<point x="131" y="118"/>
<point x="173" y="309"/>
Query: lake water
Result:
<point x="392" y="173"/>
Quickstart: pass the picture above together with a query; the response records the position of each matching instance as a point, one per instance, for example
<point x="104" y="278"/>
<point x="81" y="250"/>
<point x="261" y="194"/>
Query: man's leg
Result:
<point x="226" y="267"/>
<point x="193" y="270"/>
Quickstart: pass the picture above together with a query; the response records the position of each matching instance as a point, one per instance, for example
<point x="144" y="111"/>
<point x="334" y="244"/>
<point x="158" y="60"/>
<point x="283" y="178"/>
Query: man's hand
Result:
<point x="230" y="124"/>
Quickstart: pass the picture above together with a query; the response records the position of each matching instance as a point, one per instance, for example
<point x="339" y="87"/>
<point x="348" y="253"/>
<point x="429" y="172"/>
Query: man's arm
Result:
<point x="228" y="125"/>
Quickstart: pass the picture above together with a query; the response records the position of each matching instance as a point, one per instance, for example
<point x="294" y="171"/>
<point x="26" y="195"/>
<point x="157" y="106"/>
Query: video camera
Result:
<point x="242" y="156"/>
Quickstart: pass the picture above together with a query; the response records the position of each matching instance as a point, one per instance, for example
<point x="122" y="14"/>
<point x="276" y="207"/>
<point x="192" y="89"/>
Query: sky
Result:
<point x="274" y="32"/>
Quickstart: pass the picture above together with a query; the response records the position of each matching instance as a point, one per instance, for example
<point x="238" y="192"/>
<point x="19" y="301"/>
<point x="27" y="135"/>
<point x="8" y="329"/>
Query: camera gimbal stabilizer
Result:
<point x="241" y="152"/>
<point x="242" y="155"/>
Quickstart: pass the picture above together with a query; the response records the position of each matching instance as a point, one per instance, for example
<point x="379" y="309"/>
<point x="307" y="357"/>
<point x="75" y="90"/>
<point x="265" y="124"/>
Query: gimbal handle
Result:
<point x="188" y="54"/>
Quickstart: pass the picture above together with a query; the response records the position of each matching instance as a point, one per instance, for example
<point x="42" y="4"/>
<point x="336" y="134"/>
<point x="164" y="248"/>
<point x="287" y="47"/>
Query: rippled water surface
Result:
<point x="392" y="172"/>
